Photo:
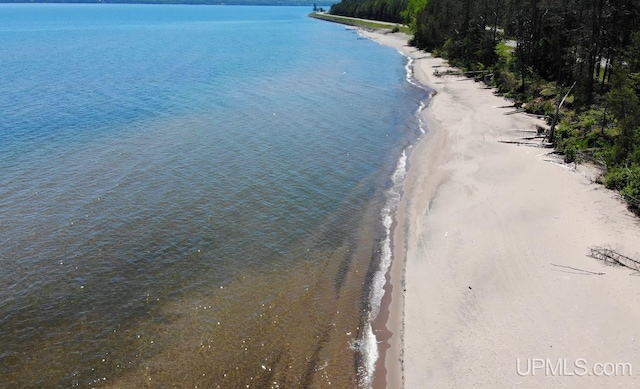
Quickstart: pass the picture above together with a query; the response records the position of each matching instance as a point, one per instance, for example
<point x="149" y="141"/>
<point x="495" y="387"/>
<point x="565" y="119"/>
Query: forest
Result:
<point x="577" y="62"/>
<point x="383" y="10"/>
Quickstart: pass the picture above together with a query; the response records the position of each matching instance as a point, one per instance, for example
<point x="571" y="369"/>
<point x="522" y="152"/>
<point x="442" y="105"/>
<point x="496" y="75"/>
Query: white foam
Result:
<point x="368" y="345"/>
<point x="408" y="67"/>
<point x="422" y="125"/>
<point x="401" y="170"/>
<point x="409" y="70"/>
<point x="371" y="354"/>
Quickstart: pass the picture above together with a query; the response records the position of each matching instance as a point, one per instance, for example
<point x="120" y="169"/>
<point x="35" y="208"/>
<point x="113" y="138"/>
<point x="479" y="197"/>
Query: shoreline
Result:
<point x="389" y="325"/>
<point x="490" y="269"/>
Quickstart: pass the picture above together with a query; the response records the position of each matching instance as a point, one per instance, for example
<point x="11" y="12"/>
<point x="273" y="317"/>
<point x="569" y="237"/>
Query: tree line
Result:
<point x="383" y="10"/>
<point x="540" y="52"/>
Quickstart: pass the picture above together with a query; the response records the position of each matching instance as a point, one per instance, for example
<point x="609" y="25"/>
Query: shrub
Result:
<point x="570" y="153"/>
<point x="616" y="179"/>
<point x="627" y="181"/>
<point x="504" y="80"/>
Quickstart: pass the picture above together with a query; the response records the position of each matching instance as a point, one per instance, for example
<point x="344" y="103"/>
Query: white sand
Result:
<point x="485" y="228"/>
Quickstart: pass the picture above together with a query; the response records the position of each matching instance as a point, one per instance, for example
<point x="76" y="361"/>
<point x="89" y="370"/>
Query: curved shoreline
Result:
<point x="485" y="233"/>
<point x="389" y="325"/>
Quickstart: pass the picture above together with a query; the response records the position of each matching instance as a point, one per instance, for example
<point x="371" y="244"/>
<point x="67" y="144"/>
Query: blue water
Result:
<point x="156" y="159"/>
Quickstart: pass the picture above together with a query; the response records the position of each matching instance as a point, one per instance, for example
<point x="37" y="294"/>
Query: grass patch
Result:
<point x="366" y="24"/>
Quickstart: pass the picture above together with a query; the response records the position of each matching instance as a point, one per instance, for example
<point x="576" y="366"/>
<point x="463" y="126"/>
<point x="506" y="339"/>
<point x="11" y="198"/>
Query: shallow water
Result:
<point x="191" y="195"/>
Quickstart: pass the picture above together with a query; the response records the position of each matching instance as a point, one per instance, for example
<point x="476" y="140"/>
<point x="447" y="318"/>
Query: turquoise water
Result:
<point x="158" y="161"/>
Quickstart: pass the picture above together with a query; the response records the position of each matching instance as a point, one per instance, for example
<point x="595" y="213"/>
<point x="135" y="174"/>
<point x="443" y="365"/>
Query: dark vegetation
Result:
<point x="539" y="53"/>
<point x="383" y="10"/>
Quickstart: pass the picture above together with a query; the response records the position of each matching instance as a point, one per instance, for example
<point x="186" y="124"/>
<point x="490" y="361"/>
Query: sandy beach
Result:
<point x="492" y="283"/>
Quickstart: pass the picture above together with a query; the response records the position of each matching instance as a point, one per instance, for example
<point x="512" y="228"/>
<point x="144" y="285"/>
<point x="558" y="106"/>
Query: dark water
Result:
<point x="191" y="195"/>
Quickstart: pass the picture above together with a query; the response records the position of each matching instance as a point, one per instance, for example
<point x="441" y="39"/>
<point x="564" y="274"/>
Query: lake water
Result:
<point x="194" y="196"/>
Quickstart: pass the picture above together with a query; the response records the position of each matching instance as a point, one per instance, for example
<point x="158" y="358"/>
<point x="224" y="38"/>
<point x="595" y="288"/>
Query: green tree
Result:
<point x="410" y="14"/>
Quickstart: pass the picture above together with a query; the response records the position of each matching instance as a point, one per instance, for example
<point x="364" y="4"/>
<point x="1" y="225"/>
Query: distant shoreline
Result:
<point x="365" y="24"/>
<point x="276" y="3"/>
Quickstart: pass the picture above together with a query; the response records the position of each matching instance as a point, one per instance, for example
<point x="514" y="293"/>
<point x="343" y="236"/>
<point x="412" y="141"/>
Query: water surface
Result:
<point x="191" y="195"/>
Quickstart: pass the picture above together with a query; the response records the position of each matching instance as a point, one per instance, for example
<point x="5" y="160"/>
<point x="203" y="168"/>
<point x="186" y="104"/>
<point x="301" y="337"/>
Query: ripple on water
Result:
<point x="196" y="205"/>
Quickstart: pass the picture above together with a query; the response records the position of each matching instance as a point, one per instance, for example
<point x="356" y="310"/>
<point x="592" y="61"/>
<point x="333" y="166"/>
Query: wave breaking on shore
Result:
<point x="368" y="344"/>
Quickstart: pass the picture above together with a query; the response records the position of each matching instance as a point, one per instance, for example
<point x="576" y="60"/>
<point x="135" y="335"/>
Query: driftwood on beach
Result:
<point x="456" y="72"/>
<point x="614" y="258"/>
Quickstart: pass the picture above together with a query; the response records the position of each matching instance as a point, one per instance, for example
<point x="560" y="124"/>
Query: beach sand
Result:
<point x="492" y="283"/>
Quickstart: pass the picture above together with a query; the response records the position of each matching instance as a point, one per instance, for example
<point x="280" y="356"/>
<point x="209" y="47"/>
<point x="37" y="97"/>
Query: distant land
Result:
<point x="309" y="3"/>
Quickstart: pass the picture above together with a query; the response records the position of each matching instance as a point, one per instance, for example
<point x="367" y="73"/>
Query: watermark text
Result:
<point x="563" y="367"/>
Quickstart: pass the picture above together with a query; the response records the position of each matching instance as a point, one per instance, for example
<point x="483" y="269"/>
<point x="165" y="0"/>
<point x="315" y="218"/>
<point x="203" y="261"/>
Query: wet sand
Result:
<point x="491" y="268"/>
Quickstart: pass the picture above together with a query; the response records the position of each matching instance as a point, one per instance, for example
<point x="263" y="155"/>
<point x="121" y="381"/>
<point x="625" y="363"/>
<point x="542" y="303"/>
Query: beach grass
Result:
<point x="367" y="24"/>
